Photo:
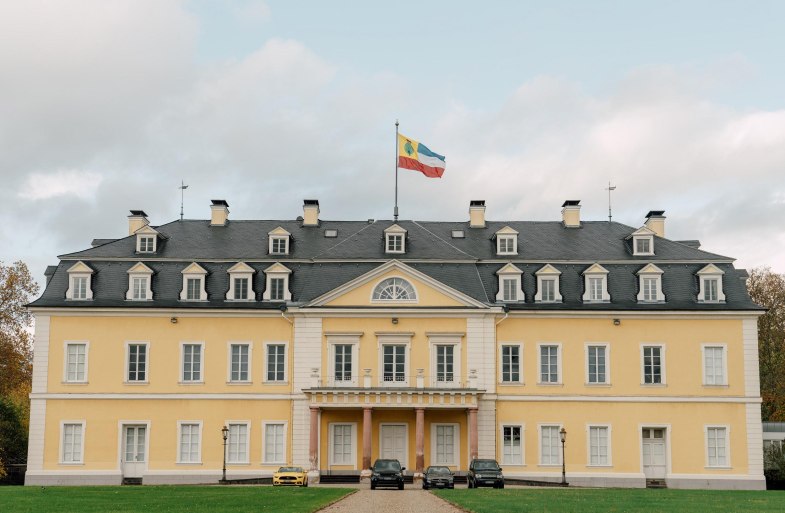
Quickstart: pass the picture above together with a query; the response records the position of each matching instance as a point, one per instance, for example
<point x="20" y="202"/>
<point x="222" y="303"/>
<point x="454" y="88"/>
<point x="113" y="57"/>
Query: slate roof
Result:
<point x="468" y="265"/>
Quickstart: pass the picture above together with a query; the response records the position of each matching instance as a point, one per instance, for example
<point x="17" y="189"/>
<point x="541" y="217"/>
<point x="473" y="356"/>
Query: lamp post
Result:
<point x="563" y="436"/>
<point x="225" y="434"/>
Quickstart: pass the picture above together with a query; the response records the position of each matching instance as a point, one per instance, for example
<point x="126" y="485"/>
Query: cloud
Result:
<point x="63" y="182"/>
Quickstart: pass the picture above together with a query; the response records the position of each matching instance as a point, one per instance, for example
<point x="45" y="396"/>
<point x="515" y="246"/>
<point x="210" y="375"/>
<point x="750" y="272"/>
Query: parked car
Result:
<point x="485" y="473"/>
<point x="438" y="477"/>
<point x="387" y="473"/>
<point x="290" y="476"/>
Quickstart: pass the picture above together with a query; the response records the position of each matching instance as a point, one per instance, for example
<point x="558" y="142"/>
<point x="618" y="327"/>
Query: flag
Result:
<point x="415" y="156"/>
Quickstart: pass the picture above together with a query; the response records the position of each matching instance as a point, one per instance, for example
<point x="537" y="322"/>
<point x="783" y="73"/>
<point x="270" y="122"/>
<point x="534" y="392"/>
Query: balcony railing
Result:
<point x="368" y="379"/>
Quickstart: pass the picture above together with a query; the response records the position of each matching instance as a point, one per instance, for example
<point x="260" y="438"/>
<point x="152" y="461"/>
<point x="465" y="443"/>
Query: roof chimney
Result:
<point x="136" y="220"/>
<point x="477" y="214"/>
<point x="310" y="212"/>
<point x="219" y="213"/>
<point x="655" y="222"/>
<point x="571" y="214"/>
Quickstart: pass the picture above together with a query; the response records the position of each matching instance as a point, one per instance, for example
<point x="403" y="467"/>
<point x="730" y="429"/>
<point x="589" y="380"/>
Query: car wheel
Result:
<point x="501" y="485"/>
<point x="452" y="486"/>
<point x="424" y="486"/>
<point x="400" y="486"/>
<point x="373" y="486"/>
<point x="305" y="483"/>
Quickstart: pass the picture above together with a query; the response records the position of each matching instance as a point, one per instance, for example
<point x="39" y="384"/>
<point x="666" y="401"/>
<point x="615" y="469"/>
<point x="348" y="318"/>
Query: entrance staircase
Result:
<point x="656" y="483"/>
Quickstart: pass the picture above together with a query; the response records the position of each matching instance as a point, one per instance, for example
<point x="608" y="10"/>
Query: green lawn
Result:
<point x="555" y="500"/>
<point x="169" y="499"/>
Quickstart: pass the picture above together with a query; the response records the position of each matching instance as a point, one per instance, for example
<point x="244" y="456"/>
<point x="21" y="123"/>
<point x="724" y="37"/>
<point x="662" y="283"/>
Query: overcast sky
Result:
<point x="105" y="106"/>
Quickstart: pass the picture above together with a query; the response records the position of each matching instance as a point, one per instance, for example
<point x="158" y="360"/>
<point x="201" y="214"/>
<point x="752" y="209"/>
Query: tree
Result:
<point x="17" y="288"/>
<point x="768" y="290"/>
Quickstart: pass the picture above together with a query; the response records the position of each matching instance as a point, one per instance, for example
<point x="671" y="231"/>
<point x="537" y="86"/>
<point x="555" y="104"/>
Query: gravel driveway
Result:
<point x="410" y="500"/>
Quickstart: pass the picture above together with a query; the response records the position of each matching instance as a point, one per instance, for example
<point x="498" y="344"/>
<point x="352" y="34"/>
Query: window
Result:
<point x="140" y="288"/>
<point x="137" y="363"/>
<point x="394" y="363"/>
<point x="192" y="363"/>
<point x="510" y="284"/>
<point x="650" y="289"/>
<point x="652" y="365"/>
<point x="506" y="241"/>
<point x="194" y="289"/>
<point x="241" y="288"/>
<point x="76" y="363"/>
<point x="342" y="444"/>
<point x="279" y="245"/>
<point x="146" y="244"/>
<point x="193" y="283"/>
<point x="596" y="360"/>
<point x="276" y="362"/>
<point x="139" y="280"/>
<point x="190" y="443"/>
<point x="599" y="452"/>
<point x="277" y="284"/>
<point x="548" y="285"/>
<point x="274" y="443"/>
<point x="549" y="364"/>
<point x="80" y="287"/>
<point x="511" y="363"/>
<point x="444" y="363"/>
<point x="239" y="355"/>
<point x="710" y="284"/>
<point x="394" y="243"/>
<point x="240" y="282"/>
<point x="394" y="289"/>
<point x="717" y="446"/>
<point x="596" y="284"/>
<point x="506" y="245"/>
<point x="710" y="289"/>
<point x="550" y="445"/>
<point x="276" y="289"/>
<point x="650" y="284"/>
<point x="642" y="246"/>
<point x="714" y="365"/>
<point x="512" y="447"/>
<point x="343" y="362"/>
<point x="642" y="241"/>
<point x="330" y="233"/>
<point x="458" y="234"/>
<point x="445" y="438"/>
<point x="72" y="442"/>
<point x="237" y="443"/>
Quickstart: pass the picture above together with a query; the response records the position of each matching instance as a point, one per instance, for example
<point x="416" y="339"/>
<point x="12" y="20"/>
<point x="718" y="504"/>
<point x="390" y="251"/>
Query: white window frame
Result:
<point x="436" y="340"/>
<point x="724" y="364"/>
<point x="650" y="271"/>
<point x="520" y="380"/>
<point x="285" y="345"/>
<point x="229" y="346"/>
<point x="276" y="240"/>
<point x="559" y="427"/>
<point x="663" y="381"/>
<point x="247" y="456"/>
<point x="504" y="460"/>
<point x="607" y="347"/>
<point x="395" y="340"/>
<point x="143" y="237"/>
<point x="390" y="234"/>
<point x="456" y="444"/>
<point x="511" y="241"/>
<point x="706" y="429"/>
<point x="548" y="272"/>
<point x="710" y="272"/>
<point x="194" y="271"/>
<point x="282" y="460"/>
<point x="331" y="443"/>
<point x="596" y="271"/>
<point x="66" y="345"/>
<point x="380" y="285"/>
<point x="240" y="270"/>
<point x="277" y="271"/>
<point x="182" y="380"/>
<point x="127" y="367"/>
<point x="642" y="238"/>
<point x="79" y="271"/>
<point x="180" y="424"/>
<point x="559" y="377"/>
<point x="61" y="456"/>
<point x="510" y="272"/>
<point x="343" y="340"/>
<point x="145" y="273"/>
<point x="609" y="429"/>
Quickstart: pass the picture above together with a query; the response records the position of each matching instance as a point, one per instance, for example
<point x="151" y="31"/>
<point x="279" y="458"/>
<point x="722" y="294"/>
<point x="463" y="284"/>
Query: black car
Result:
<point x="387" y="473"/>
<point x="437" y="477"/>
<point x="485" y="473"/>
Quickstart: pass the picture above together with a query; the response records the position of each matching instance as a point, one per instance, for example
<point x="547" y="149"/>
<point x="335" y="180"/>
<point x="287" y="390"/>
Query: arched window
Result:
<point x="394" y="289"/>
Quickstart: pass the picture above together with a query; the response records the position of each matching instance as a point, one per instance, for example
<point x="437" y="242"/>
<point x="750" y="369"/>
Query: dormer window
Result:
<point x="146" y="239"/>
<point x="279" y="241"/>
<point x="510" y="284"/>
<point x="642" y="242"/>
<point x="548" y="285"/>
<point x="710" y="285"/>
<point x="79" y="282"/>
<point x="193" y="283"/>
<point x="650" y="285"/>
<point x="395" y="240"/>
<point x="146" y="244"/>
<point x="139" y="283"/>
<point x="277" y="283"/>
<point x="240" y="283"/>
<point x="506" y="241"/>
<point x="596" y="285"/>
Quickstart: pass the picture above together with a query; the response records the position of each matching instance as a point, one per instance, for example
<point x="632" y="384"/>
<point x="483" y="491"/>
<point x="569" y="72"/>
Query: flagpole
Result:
<point x="395" y="212"/>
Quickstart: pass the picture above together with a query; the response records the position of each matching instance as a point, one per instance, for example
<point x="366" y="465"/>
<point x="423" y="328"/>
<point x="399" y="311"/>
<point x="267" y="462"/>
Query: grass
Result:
<point x="166" y="499"/>
<point x="541" y="500"/>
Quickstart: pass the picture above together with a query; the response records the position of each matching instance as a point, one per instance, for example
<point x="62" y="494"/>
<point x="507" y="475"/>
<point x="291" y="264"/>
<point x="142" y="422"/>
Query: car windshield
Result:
<point x="290" y="469"/>
<point x="438" y="470"/>
<point x="486" y="465"/>
<point x="387" y="466"/>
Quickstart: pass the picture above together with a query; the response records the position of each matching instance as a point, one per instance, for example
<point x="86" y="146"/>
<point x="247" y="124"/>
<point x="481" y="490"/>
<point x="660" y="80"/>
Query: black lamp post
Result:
<point x="563" y="436"/>
<point x="225" y="433"/>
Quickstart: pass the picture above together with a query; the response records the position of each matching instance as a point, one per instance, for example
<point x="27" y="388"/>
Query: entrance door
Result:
<point x="654" y="465"/>
<point x="134" y="457"/>
<point x="393" y="444"/>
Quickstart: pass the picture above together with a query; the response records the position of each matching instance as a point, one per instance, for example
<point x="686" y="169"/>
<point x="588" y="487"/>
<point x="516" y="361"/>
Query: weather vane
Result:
<point x="182" y="188"/>
<point x="609" y="189"/>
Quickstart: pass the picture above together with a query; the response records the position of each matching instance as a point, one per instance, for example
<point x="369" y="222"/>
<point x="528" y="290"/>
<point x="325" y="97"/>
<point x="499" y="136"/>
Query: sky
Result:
<point x="107" y="105"/>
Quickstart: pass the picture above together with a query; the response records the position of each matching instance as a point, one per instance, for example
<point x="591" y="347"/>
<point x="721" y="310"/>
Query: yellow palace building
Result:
<point x="328" y="344"/>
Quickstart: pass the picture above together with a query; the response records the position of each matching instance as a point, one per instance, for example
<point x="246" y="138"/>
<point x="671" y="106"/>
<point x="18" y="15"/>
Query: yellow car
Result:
<point x="290" y="476"/>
